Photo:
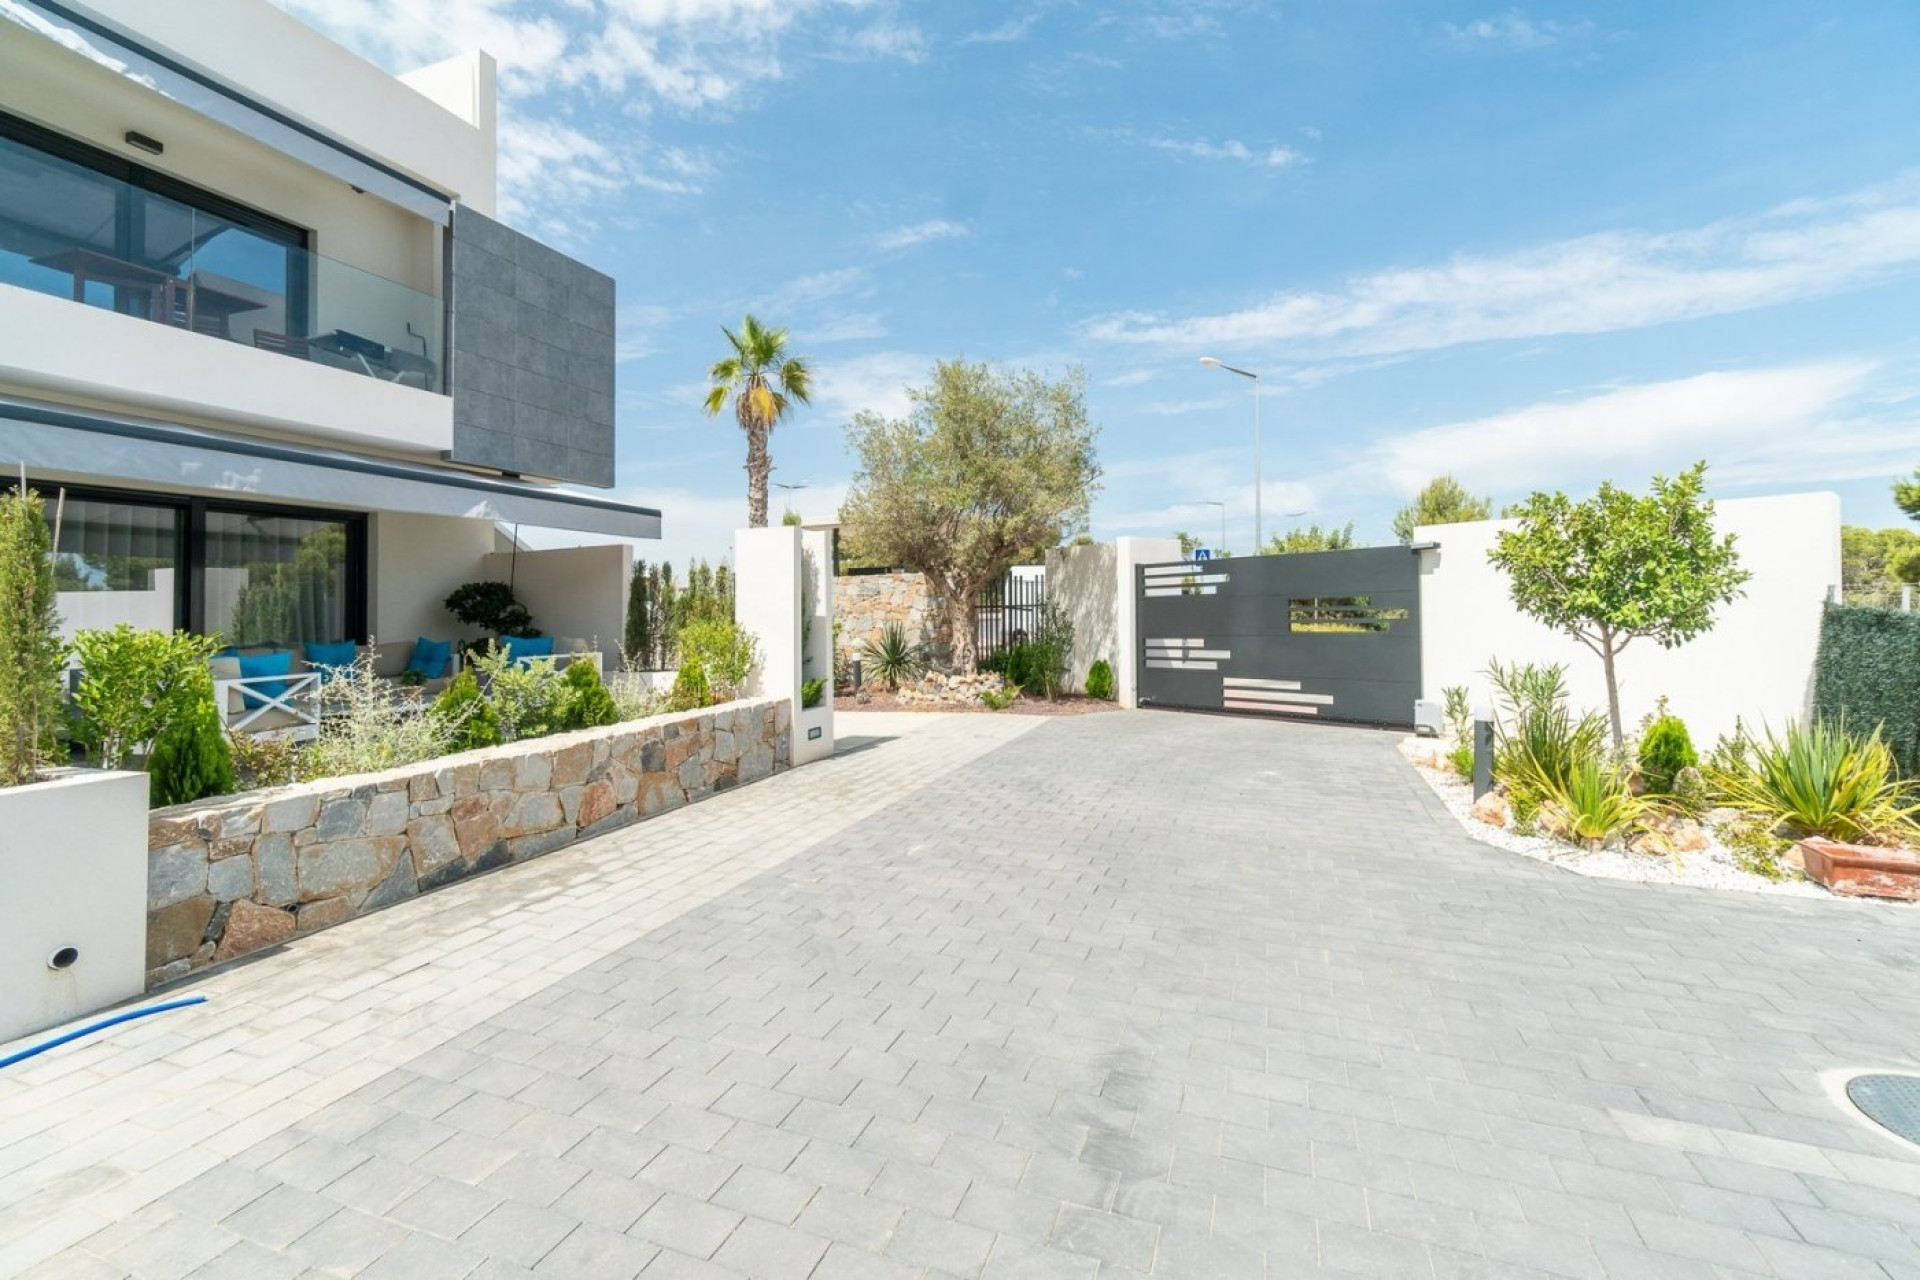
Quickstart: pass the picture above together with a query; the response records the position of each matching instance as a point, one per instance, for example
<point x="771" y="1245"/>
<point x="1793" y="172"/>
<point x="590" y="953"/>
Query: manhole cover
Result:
<point x="1893" y="1102"/>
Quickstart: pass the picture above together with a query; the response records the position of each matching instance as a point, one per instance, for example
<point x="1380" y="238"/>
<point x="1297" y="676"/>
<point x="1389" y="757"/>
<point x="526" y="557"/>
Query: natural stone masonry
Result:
<point x="864" y="604"/>
<point x="231" y="876"/>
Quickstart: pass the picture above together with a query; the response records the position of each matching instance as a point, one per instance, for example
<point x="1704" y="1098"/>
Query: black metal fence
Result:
<point x="1007" y="612"/>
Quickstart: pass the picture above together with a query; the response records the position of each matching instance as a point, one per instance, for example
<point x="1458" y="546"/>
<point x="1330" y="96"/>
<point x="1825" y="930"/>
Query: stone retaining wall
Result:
<point x="233" y="875"/>
<point x="865" y="603"/>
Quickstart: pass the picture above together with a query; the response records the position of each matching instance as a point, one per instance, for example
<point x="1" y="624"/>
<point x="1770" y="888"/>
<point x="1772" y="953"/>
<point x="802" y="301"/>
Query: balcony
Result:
<point x="93" y="229"/>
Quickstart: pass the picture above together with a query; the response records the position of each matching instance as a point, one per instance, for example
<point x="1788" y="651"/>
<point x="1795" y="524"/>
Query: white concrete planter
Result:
<point x="73" y="897"/>
<point x="813" y="733"/>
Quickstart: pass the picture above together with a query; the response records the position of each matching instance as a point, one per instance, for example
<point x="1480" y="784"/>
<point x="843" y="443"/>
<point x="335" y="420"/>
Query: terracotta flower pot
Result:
<point x="1860" y="871"/>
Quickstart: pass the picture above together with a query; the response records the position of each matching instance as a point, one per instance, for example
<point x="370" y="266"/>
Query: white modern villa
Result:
<point x="259" y="326"/>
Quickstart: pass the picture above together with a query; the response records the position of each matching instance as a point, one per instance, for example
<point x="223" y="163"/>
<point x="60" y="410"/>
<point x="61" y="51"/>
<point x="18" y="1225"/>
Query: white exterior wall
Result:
<point x="578" y="593"/>
<point x="768" y="571"/>
<point x="1129" y="554"/>
<point x="73" y="874"/>
<point x="415" y="562"/>
<point x="1756" y="663"/>
<point x="267" y="53"/>
<point x="1083" y="581"/>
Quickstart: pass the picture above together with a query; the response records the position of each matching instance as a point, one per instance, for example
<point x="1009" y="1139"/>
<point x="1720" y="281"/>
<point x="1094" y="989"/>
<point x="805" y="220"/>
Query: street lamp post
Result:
<point x="789" y="488"/>
<point x="1211" y="363"/>
<point x="1223" y="520"/>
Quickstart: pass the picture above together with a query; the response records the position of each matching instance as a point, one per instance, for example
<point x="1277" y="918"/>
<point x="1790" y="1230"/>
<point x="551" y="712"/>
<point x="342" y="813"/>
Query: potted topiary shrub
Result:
<point x="73" y="865"/>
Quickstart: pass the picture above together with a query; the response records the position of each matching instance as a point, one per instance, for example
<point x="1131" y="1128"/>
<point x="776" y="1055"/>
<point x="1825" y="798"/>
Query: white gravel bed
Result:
<point x="1710" y="868"/>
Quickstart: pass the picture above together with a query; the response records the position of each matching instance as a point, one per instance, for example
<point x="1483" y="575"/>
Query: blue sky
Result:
<point x="1538" y="247"/>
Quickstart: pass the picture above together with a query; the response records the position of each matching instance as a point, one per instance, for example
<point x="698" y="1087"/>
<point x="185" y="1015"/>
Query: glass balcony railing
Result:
<point x="72" y="231"/>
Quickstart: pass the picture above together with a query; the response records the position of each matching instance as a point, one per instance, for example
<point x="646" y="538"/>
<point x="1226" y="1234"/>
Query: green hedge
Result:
<point x="1869" y="672"/>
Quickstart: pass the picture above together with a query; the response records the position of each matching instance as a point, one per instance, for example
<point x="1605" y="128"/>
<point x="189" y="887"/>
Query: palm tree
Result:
<point x="762" y="381"/>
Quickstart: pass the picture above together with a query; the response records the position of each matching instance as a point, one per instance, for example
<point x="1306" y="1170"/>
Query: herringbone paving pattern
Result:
<point x="1120" y="995"/>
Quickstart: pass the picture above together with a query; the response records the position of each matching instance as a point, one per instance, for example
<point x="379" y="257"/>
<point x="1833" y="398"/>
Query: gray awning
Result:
<point x="86" y="446"/>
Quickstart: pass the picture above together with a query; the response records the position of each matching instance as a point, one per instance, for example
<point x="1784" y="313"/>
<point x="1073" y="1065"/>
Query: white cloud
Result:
<point x="635" y="326"/>
<point x="923" y="232"/>
<point x="855" y="326"/>
<point x="874" y="382"/>
<point x="883" y="41"/>
<point x="1006" y="33"/>
<point x="1175" y="408"/>
<point x="1515" y="30"/>
<point x="1275" y="157"/>
<point x="1595" y="284"/>
<point x="815" y="288"/>
<point x="558" y="62"/>
<point x="1627" y="433"/>
<point x="1131" y="378"/>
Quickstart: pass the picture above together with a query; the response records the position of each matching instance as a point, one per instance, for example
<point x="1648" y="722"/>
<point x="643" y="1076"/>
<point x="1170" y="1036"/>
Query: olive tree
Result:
<point x="987" y="470"/>
<point x="1618" y="567"/>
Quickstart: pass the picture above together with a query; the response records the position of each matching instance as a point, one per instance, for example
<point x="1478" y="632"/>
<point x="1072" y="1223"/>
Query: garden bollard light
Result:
<point x="856" y="675"/>
<point x="1482" y="750"/>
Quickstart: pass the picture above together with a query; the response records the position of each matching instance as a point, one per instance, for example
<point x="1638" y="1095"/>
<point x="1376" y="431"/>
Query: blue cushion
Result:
<point x="341" y="653"/>
<point x="264" y="664"/>
<point x="430" y="657"/>
<point x="521" y="648"/>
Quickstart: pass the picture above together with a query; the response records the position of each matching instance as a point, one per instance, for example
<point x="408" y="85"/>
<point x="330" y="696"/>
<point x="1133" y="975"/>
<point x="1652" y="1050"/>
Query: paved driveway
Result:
<point x="1116" y="995"/>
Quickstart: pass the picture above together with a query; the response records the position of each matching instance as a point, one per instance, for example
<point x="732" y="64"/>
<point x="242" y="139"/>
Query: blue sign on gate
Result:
<point x="1203" y="553"/>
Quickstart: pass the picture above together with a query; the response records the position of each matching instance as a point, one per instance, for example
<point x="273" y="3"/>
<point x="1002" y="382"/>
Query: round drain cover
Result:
<point x="1893" y="1102"/>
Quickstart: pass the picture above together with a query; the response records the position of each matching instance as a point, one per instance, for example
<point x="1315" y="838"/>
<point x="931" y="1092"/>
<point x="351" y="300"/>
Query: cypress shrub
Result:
<point x="1666" y="749"/>
<point x="585" y="702"/>
<point x="1868" y="674"/>
<point x="1100" y="680"/>
<point x="470" y="717"/>
<point x="192" y="758"/>
<point x="31" y="652"/>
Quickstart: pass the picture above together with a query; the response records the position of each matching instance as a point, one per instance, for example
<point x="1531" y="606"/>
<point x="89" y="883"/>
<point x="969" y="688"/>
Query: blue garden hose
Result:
<point x="101" y="1025"/>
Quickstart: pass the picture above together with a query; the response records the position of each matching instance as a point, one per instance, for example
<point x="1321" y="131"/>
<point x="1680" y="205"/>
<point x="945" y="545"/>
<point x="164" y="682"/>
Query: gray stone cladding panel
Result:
<point x="532" y="356"/>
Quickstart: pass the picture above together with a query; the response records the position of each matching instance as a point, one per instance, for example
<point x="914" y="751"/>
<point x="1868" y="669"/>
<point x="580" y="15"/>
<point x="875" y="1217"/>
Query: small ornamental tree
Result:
<point x="1618" y="567"/>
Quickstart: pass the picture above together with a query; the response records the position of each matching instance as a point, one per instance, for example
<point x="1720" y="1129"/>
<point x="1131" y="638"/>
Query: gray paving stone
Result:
<point x="679" y="1222"/>
<point x="758" y="1248"/>
<point x="594" y="1251"/>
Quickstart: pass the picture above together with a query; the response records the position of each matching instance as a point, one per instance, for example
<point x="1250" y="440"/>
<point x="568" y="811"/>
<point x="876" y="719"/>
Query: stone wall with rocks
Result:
<point x="235" y="874"/>
<point x="865" y="603"/>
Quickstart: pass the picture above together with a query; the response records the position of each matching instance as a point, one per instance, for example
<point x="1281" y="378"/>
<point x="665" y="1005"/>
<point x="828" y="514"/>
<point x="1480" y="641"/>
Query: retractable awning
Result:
<point x="97" y="447"/>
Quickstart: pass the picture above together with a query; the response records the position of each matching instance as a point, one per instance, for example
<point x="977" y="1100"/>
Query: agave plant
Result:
<point x="1818" y="779"/>
<point x="1597" y="804"/>
<point x="892" y="657"/>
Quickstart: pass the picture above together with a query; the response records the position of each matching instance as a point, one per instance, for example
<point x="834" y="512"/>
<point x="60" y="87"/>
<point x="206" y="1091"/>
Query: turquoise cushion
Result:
<point x="430" y="657"/>
<point x="264" y="664"/>
<point x="327" y="656"/>
<point x="521" y="648"/>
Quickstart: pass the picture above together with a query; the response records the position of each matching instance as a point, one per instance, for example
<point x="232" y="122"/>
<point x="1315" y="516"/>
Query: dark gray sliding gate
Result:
<point x="1326" y="635"/>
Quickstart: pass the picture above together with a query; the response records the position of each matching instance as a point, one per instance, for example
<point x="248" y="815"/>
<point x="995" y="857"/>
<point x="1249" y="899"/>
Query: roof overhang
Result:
<point x="95" y="447"/>
<point x="85" y="34"/>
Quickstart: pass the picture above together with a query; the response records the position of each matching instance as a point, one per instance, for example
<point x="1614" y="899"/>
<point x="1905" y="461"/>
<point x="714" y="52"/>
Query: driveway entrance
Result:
<point x="1103" y="996"/>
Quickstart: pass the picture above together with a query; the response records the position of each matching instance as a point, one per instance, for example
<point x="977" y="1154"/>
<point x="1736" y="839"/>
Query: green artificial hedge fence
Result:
<point x="1869" y="672"/>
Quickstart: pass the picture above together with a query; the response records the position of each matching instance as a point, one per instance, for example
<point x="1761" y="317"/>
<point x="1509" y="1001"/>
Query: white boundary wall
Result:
<point x="1081" y="580"/>
<point x="1756" y="663"/>
<point x="1129" y="554"/>
<point x="768" y="569"/>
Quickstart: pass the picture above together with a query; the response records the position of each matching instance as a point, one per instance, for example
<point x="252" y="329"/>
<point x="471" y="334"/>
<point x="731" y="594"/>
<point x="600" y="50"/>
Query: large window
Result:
<point x="254" y="575"/>
<point x="85" y="224"/>
<point x="275" y="579"/>
<point x="118" y="562"/>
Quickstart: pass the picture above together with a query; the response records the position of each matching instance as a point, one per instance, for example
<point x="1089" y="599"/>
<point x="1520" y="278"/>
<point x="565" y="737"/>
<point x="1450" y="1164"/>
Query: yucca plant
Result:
<point x="1597" y="804"/>
<point x="1819" y="779"/>
<point x="891" y="657"/>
